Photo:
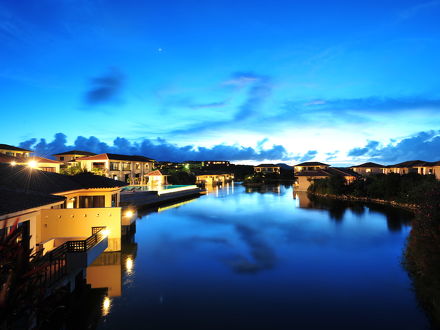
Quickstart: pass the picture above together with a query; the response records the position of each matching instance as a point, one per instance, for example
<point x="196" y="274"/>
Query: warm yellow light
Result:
<point x="32" y="164"/>
<point x="129" y="264"/>
<point x="13" y="163"/>
<point x="106" y="304"/>
<point x="129" y="214"/>
<point x="105" y="232"/>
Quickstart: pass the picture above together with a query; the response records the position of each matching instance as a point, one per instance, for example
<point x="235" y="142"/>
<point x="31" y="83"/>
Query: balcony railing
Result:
<point x="53" y="265"/>
<point x="84" y="245"/>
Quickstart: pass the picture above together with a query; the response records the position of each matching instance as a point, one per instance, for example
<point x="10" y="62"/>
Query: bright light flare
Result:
<point x="13" y="163"/>
<point x="32" y="164"/>
<point x="105" y="232"/>
<point x="129" y="214"/>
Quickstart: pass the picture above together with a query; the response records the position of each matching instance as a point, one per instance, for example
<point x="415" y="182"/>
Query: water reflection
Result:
<point x="396" y="219"/>
<point x="263" y="258"/>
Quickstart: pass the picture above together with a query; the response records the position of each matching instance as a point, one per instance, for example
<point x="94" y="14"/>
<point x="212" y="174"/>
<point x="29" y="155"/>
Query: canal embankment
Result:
<point x="410" y="207"/>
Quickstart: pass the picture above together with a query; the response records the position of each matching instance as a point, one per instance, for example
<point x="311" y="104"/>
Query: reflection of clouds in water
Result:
<point x="263" y="255"/>
<point x="189" y="242"/>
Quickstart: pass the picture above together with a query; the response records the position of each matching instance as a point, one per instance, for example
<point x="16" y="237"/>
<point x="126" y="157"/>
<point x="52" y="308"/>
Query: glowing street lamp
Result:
<point x="32" y="164"/>
<point x="13" y="163"/>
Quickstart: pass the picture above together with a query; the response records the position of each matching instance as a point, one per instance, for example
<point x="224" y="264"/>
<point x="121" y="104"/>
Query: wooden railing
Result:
<point x="53" y="265"/>
<point x="84" y="245"/>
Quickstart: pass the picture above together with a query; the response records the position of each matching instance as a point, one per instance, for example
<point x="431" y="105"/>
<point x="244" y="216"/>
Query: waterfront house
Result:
<point x="405" y="167"/>
<point x="39" y="163"/>
<point x="127" y="168"/>
<point x="213" y="178"/>
<point x="68" y="158"/>
<point x="215" y="163"/>
<point x="310" y="166"/>
<point x="267" y="168"/>
<point x="87" y="201"/>
<point x="306" y="173"/>
<point x="369" y="168"/>
<point x="9" y="150"/>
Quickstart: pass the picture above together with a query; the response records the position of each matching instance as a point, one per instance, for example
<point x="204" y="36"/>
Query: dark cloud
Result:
<point x="331" y="155"/>
<point x="158" y="149"/>
<point x="423" y="145"/>
<point x="309" y="155"/>
<point x="105" y="88"/>
<point x="356" y="152"/>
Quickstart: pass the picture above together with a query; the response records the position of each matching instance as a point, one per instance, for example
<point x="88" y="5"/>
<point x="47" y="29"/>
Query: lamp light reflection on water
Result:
<point x="106" y="305"/>
<point x="129" y="265"/>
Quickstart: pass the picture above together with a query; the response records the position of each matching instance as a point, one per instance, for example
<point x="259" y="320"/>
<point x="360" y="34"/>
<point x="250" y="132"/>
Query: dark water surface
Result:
<point x="264" y="260"/>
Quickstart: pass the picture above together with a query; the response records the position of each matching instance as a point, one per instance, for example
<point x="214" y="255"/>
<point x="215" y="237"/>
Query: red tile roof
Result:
<point x="155" y="173"/>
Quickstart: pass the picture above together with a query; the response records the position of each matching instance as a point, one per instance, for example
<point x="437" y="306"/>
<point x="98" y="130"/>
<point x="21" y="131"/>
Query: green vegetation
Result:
<point x="268" y="178"/>
<point x="178" y="177"/>
<point x="73" y="170"/>
<point x="422" y="255"/>
<point x="391" y="187"/>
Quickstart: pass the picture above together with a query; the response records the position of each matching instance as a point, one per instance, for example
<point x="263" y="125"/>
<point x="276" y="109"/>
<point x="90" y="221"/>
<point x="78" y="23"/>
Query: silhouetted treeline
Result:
<point x="408" y="188"/>
<point x="422" y="255"/>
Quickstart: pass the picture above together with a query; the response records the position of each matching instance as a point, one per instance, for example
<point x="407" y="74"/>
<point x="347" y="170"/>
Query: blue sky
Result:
<point x="336" y="81"/>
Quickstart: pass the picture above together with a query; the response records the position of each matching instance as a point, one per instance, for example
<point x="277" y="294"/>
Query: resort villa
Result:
<point x="9" y="150"/>
<point x="17" y="156"/>
<point x="267" y="168"/>
<point x="132" y="169"/>
<point x="308" y="172"/>
<point x="69" y="158"/>
<point x="58" y="208"/>
<point x="213" y="178"/>
<point x="369" y="168"/>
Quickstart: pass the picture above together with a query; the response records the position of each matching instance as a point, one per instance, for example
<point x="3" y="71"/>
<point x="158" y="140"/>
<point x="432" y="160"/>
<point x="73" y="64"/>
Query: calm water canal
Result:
<point x="265" y="260"/>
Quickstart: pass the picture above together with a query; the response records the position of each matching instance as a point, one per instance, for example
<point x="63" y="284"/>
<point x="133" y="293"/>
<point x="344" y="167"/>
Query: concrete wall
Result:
<point x="304" y="182"/>
<point x="107" y="192"/>
<point x="79" y="222"/>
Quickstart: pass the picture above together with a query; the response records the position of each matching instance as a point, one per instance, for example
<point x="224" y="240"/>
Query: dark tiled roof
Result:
<point x="14" y="201"/>
<point x="341" y="171"/>
<point x="129" y="158"/>
<point x="26" y="179"/>
<point x="25" y="160"/>
<point x="409" y="163"/>
<point x="369" y="164"/>
<point x="312" y="164"/>
<point x="9" y="147"/>
<point x="118" y="157"/>
<point x="312" y="173"/>
<point x="90" y="181"/>
<point x="267" y="165"/>
<point x="329" y="172"/>
<point x="75" y="152"/>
